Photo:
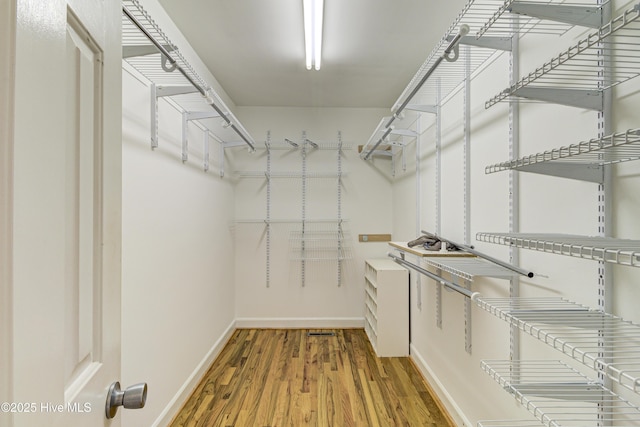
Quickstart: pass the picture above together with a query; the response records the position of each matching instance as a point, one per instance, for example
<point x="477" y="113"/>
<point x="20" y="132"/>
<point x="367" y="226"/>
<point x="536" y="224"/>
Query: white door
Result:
<point x="64" y="213"/>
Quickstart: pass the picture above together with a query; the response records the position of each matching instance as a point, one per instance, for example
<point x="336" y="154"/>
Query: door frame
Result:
<point x="7" y="74"/>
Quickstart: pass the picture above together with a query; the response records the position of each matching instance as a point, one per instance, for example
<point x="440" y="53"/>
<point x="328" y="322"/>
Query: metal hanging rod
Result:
<point x="451" y="54"/>
<point x="169" y="53"/>
<point x="451" y="48"/>
<point x="382" y="138"/>
<point x="470" y="267"/>
<point x="475" y="252"/>
<point x="475" y="14"/>
<point x="454" y="287"/>
<point x="163" y="51"/>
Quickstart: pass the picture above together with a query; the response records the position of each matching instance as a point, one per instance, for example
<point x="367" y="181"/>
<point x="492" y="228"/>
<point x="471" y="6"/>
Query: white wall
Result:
<point x="547" y="204"/>
<point x="365" y="209"/>
<point x="178" y="250"/>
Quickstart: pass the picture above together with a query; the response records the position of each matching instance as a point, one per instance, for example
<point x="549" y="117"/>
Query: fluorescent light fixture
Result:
<point x="313" y="10"/>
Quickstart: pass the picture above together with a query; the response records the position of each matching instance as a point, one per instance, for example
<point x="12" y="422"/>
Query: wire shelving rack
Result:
<point x="607" y="249"/>
<point x="468" y="268"/>
<point x="600" y="341"/>
<point x="558" y="395"/>
<point x="578" y="76"/>
<point x="610" y="149"/>
<point x="450" y="75"/>
<point x="559" y="16"/>
<point x="150" y="52"/>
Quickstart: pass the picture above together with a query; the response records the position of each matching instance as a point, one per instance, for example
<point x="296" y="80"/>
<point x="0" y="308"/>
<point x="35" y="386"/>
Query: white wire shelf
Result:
<point x="320" y="242"/>
<point x="605" y="343"/>
<point x="141" y="37"/>
<point x="399" y="135"/>
<point x="321" y="145"/>
<point x="450" y="75"/>
<point x="470" y="267"/>
<point x="608" y="249"/>
<point x="516" y="15"/>
<point x="578" y="75"/>
<point x="558" y="395"/>
<point x="614" y="148"/>
<point x="288" y="174"/>
<point x="291" y="221"/>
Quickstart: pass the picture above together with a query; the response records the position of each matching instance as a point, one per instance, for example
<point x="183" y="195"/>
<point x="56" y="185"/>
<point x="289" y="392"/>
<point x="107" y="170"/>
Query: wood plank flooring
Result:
<point x="284" y="378"/>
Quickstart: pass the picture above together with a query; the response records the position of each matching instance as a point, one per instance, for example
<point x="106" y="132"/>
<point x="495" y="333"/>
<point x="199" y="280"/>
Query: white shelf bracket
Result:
<point x="206" y="150"/>
<point x="588" y="99"/>
<point x="431" y="109"/>
<point x="132" y="51"/>
<point x="585" y="16"/>
<point x="579" y="171"/>
<point x="221" y="159"/>
<point x="185" y="138"/>
<point x="495" y="43"/>
<point x="153" y="92"/>
<point x="201" y="115"/>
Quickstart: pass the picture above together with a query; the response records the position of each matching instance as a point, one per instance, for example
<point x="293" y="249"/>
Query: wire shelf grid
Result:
<point x="140" y="52"/>
<point x="608" y="249"/>
<point x="320" y="242"/>
<point x="603" y="59"/>
<point x="451" y="74"/>
<point x="614" y="148"/>
<point x="605" y="343"/>
<point x="559" y="395"/>
<point x="288" y="174"/>
<point x="468" y="268"/>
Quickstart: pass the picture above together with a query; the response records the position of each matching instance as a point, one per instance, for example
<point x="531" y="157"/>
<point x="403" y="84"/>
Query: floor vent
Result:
<point x="321" y="334"/>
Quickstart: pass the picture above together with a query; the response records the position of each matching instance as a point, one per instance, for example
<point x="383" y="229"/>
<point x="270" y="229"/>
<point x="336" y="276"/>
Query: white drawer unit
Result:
<point x="387" y="307"/>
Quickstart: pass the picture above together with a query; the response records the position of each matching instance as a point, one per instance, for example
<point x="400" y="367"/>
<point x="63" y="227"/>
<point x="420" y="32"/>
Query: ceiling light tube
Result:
<point x="313" y="11"/>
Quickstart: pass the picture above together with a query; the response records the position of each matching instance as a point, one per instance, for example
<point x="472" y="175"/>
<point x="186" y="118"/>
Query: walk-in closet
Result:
<point x="429" y="220"/>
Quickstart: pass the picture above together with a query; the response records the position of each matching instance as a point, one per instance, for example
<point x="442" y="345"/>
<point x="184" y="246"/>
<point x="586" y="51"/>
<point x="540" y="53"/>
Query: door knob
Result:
<point x="134" y="397"/>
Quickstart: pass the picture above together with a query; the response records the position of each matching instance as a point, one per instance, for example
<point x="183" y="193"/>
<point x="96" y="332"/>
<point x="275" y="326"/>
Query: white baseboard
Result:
<point x="194" y="379"/>
<point x="450" y="405"/>
<point x="300" y="323"/>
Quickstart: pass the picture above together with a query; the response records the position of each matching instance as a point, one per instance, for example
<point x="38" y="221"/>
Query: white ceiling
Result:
<point x="371" y="48"/>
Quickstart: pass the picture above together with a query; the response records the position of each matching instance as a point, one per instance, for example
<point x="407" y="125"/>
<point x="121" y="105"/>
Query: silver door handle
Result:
<point x="134" y="397"/>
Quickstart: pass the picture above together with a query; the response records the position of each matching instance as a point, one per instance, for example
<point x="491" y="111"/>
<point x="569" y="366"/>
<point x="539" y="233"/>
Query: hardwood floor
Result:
<point x="277" y="378"/>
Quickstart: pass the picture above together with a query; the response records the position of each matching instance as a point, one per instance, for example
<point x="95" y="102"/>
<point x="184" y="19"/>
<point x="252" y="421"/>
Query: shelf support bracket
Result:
<point x="141" y="50"/>
<point x="185" y="139"/>
<point x="496" y="43"/>
<point x="201" y="115"/>
<point x="404" y="132"/>
<point x="206" y="150"/>
<point x="155" y="92"/>
<point x="431" y="109"/>
<point x="588" y="99"/>
<point x="585" y="16"/>
<point x="579" y="171"/>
